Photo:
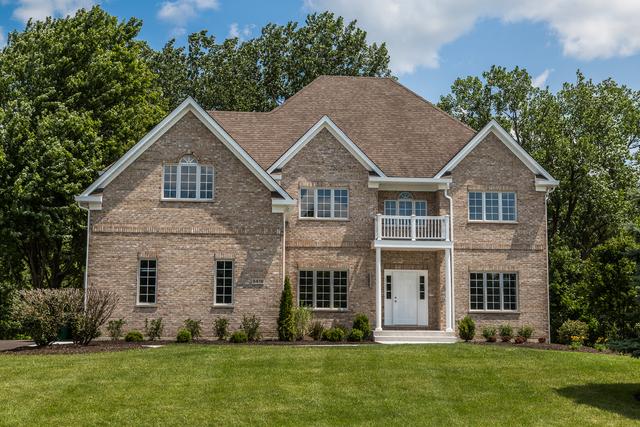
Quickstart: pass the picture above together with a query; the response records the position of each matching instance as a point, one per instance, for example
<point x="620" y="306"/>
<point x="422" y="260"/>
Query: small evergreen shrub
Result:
<point x="239" y="336"/>
<point x="506" y="332"/>
<point x="334" y="334"/>
<point x="251" y="326"/>
<point x="629" y="346"/>
<point x="466" y="328"/>
<point x="285" y="317"/>
<point x="361" y="322"/>
<point x="572" y="328"/>
<point x="194" y="327"/>
<point x="114" y="327"/>
<point x="490" y="333"/>
<point x="355" y="335"/>
<point x="316" y="330"/>
<point x="221" y="328"/>
<point x="525" y="332"/>
<point x="153" y="328"/>
<point x="134" y="336"/>
<point x="184" y="335"/>
<point x="301" y="322"/>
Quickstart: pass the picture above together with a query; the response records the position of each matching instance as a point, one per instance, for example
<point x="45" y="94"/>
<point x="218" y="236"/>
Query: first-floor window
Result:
<point x="224" y="282"/>
<point x="147" y="281"/>
<point x="322" y="289"/>
<point x="493" y="291"/>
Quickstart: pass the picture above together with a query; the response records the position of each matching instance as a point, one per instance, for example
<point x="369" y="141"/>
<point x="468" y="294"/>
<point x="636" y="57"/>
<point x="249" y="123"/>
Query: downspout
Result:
<point x="86" y="259"/>
<point x="546" y="242"/>
<point x="284" y="242"/>
<point x="453" y="282"/>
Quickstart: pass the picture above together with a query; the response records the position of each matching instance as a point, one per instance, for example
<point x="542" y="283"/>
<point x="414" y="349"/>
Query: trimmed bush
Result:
<point x="221" y="328"/>
<point x="355" y="335"/>
<point x="153" y="328"/>
<point x="184" y="335"/>
<point x="44" y="312"/>
<point x="285" y="317"/>
<point x="239" y="336"/>
<point x="334" y="334"/>
<point x="134" y="336"/>
<point x="490" y="333"/>
<point x="194" y="327"/>
<point x="361" y="322"/>
<point x="251" y="326"/>
<point x="114" y="327"/>
<point x="301" y="322"/>
<point x="572" y="328"/>
<point x="316" y="330"/>
<point x="466" y="328"/>
<point x="525" y="332"/>
<point x="630" y="346"/>
<point x="506" y="332"/>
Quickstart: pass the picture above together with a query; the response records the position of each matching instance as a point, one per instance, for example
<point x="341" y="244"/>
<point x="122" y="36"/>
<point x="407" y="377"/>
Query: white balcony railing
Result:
<point x="394" y="227"/>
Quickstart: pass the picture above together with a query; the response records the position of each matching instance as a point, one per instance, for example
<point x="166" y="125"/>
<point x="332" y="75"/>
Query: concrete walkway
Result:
<point x="11" y="344"/>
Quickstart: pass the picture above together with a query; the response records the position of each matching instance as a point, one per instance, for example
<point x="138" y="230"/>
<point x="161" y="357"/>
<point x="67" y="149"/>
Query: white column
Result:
<point x="448" y="294"/>
<point x="378" y="289"/>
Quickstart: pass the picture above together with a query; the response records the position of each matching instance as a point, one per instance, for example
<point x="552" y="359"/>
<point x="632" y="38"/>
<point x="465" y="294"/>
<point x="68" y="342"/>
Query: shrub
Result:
<point x="628" y="346"/>
<point x="301" y="322"/>
<point x="194" y="327"/>
<point x="85" y="321"/>
<point x="221" y="328"/>
<point x="355" y="335"/>
<point x="490" y="333"/>
<point x="466" y="328"/>
<point x="334" y="334"/>
<point x="251" y="326"/>
<point x="572" y="328"/>
<point x="114" y="327"/>
<point x="520" y="340"/>
<point x="239" y="336"/>
<point x="525" y="332"/>
<point x="134" y="336"/>
<point x="184" y="335"/>
<point x="153" y="328"/>
<point x="316" y="330"/>
<point x="43" y="312"/>
<point x="285" y="317"/>
<point x="506" y="332"/>
<point x="361" y="322"/>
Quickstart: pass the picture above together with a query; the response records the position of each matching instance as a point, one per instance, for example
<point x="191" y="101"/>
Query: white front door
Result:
<point x="405" y="297"/>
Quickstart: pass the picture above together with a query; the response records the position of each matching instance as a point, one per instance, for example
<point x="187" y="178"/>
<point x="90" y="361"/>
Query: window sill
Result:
<point x="223" y="306"/>
<point x="306" y="218"/>
<point x="330" y="310"/>
<point x="143" y="305"/>
<point x="494" y="311"/>
<point x="162" y="199"/>
<point x="478" y="221"/>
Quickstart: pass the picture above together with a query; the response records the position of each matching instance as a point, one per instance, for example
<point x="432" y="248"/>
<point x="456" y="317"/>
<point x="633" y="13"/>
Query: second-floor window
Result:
<point x="324" y="203"/>
<point x="187" y="180"/>
<point x="492" y="206"/>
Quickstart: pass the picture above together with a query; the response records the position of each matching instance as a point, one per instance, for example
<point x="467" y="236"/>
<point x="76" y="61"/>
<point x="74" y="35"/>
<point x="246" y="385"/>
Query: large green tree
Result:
<point x="258" y="74"/>
<point x="75" y="93"/>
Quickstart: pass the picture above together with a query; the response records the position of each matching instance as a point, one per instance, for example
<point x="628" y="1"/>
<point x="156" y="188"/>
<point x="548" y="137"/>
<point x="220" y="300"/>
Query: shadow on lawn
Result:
<point x="623" y="399"/>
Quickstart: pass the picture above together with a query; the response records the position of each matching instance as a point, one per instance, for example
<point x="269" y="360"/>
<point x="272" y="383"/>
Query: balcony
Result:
<point x="412" y="228"/>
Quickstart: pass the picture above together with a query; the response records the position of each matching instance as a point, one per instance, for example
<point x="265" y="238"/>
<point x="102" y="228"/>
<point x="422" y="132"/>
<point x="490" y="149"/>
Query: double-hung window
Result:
<point x="147" y="281"/>
<point x="493" y="291"/>
<point x="187" y="180"/>
<point x="324" y="203"/>
<point x="320" y="289"/>
<point x="223" y="289"/>
<point x="492" y="206"/>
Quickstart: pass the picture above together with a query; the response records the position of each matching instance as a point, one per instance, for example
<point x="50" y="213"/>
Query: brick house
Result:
<point x="367" y="196"/>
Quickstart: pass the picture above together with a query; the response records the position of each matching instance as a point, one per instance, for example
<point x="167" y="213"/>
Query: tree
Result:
<point x="260" y="73"/>
<point x="74" y="96"/>
<point x="285" y="317"/>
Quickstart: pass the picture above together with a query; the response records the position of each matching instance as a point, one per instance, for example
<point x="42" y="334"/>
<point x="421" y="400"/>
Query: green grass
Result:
<point x="368" y="385"/>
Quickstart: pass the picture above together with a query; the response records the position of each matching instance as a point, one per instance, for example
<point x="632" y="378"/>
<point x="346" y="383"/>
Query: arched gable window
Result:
<point x="405" y="206"/>
<point x="187" y="180"/>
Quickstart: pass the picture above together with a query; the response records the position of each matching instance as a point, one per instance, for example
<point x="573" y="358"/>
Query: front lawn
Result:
<point x="401" y="385"/>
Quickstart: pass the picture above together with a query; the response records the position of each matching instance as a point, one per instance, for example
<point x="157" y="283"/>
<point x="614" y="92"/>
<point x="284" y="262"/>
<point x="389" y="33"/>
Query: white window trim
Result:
<point x="315" y="283"/>
<point x="484" y="205"/>
<point x="146" y="304"/>
<point x="215" y="283"/>
<point x="179" y="182"/>
<point x="413" y="206"/>
<point x="484" y="292"/>
<point x="315" y="204"/>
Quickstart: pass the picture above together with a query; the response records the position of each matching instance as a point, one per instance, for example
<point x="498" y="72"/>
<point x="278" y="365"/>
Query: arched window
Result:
<point x="188" y="180"/>
<point x="405" y="206"/>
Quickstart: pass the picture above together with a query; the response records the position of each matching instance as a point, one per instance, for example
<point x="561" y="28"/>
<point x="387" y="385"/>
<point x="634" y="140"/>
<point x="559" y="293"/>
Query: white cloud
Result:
<point x="241" y="33"/>
<point x="40" y="9"/>
<point x="541" y="79"/>
<point x="415" y="30"/>
<point x="179" y="12"/>
<point x="3" y="38"/>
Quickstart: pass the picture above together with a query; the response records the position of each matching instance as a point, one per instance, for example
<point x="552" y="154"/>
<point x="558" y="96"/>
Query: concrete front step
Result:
<point x="414" y="337"/>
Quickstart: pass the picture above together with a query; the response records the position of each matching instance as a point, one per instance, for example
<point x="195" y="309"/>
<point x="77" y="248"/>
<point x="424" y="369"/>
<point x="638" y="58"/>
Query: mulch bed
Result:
<point x="546" y="346"/>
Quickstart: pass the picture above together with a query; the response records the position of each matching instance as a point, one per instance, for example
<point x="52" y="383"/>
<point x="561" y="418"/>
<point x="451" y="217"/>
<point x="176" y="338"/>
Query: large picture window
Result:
<point x="224" y="283"/>
<point x="147" y="281"/>
<point x="492" y="206"/>
<point x="322" y="289"/>
<point x="324" y="203"/>
<point x="493" y="291"/>
<point x="187" y="180"/>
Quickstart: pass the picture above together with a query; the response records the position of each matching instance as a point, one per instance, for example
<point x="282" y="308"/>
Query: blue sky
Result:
<point x="431" y="41"/>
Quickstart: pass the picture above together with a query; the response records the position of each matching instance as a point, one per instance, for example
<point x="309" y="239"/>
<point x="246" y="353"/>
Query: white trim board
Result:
<point x="511" y="143"/>
<point x="326" y="123"/>
<point x="188" y="105"/>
